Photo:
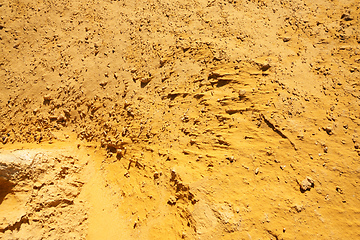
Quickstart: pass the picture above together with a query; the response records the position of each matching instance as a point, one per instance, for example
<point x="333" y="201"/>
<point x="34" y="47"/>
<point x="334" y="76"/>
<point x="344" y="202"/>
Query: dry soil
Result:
<point x="191" y="119"/>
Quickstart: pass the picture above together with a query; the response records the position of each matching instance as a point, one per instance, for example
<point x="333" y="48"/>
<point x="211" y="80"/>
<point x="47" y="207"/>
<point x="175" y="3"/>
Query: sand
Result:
<point x="180" y="119"/>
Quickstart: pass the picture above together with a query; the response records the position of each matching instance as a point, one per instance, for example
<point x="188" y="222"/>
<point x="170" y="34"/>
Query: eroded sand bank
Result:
<point x="179" y="119"/>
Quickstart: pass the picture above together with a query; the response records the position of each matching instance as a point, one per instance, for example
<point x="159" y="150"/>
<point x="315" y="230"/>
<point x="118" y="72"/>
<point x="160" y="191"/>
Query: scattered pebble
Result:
<point x="339" y="190"/>
<point x="47" y="97"/>
<point x="328" y="130"/>
<point x="346" y="17"/>
<point x="265" y="67"/>
<point x="145" y="80"/>
<point x="325" y="149"/>
<point x="298" y="208"/>
<point x="156" y="175"/>
<point x="307" y="184"/>
<point x="172" y="200"/>
<point x="61" y="118"/>
<point x="103" y="83"/>
<point x="119" y="152"/>
<point x="286" y="39"/>
<point x="242" y="93"/>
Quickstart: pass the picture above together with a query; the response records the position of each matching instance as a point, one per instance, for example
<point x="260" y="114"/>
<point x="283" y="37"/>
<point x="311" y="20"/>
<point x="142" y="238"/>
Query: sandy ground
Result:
<point x="180" y="119"/>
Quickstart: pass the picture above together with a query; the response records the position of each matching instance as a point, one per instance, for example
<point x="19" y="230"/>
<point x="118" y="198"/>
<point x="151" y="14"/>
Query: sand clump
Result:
<point x="36" y="190"/>
<point x="179" y="120"/>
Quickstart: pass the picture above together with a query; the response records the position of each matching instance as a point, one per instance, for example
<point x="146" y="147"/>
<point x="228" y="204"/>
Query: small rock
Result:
<point x="119" y="152"/>
<point x="53" y="117"/>
<point x="328" y="130"/>
<point x="300" y="137"/>
<point x="242" y="93"/>
<point x="325" y="149"/>
<point x="145" y="80"/>
<point x="231" y="159"/>
<point x="61" y="118"/>
<point x="265" y="67"/>
<point x="172" y="200"/>
<point x="307" y="184"/>
<point x="339" y="190"/>
<point x="103" y="83"/>
<point x="257" y="171"/>
<point x="286" y="39"/>
<point x="66" y="112"/>
<point x="47" y="97"/>
<point x="298" y="208"/>
<point x="173" y="175"/>
<point x="346" y="17"/>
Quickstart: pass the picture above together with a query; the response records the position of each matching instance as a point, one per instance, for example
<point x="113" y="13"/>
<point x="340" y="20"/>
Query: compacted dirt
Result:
<point x="192" y="119"/>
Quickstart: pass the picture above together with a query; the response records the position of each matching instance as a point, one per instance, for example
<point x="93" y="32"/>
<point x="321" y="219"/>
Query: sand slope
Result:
<point x="189" y="119"/>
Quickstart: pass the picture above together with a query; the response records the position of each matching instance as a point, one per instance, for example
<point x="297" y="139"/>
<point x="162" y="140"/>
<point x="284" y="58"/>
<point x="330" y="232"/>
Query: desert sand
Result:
<point x="216" y="119"/>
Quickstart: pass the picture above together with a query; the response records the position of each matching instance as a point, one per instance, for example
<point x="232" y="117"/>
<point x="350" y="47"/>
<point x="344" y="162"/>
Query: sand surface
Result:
<point x="192" y="119"/>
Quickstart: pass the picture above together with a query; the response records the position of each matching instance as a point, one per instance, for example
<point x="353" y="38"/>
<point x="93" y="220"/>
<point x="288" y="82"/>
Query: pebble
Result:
<point x="339" y="190"/>
<point x="53" y="117"/>
<point x="47" y="97"/>
<point x="329" y="130"/>
<point x="66" y="112"/>
<point x="346" y="17"/>
<point x="119" y="152"/>
<point x="286" y="39"/>
<point x="307" y="184"/>
<point x="61" y="118"/>
<point x="298" y="208"/>
<point x="172" y="200"/>
<point x="242" y="93"/>
<point x="265" y="67"/>
<point x="325" y="149"/>
<point x="145" y="80"/>
<point x="103" y="83"/>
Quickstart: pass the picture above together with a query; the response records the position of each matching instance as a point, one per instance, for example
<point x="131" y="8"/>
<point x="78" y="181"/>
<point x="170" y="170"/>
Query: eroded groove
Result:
<point x="275" y="129"/>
